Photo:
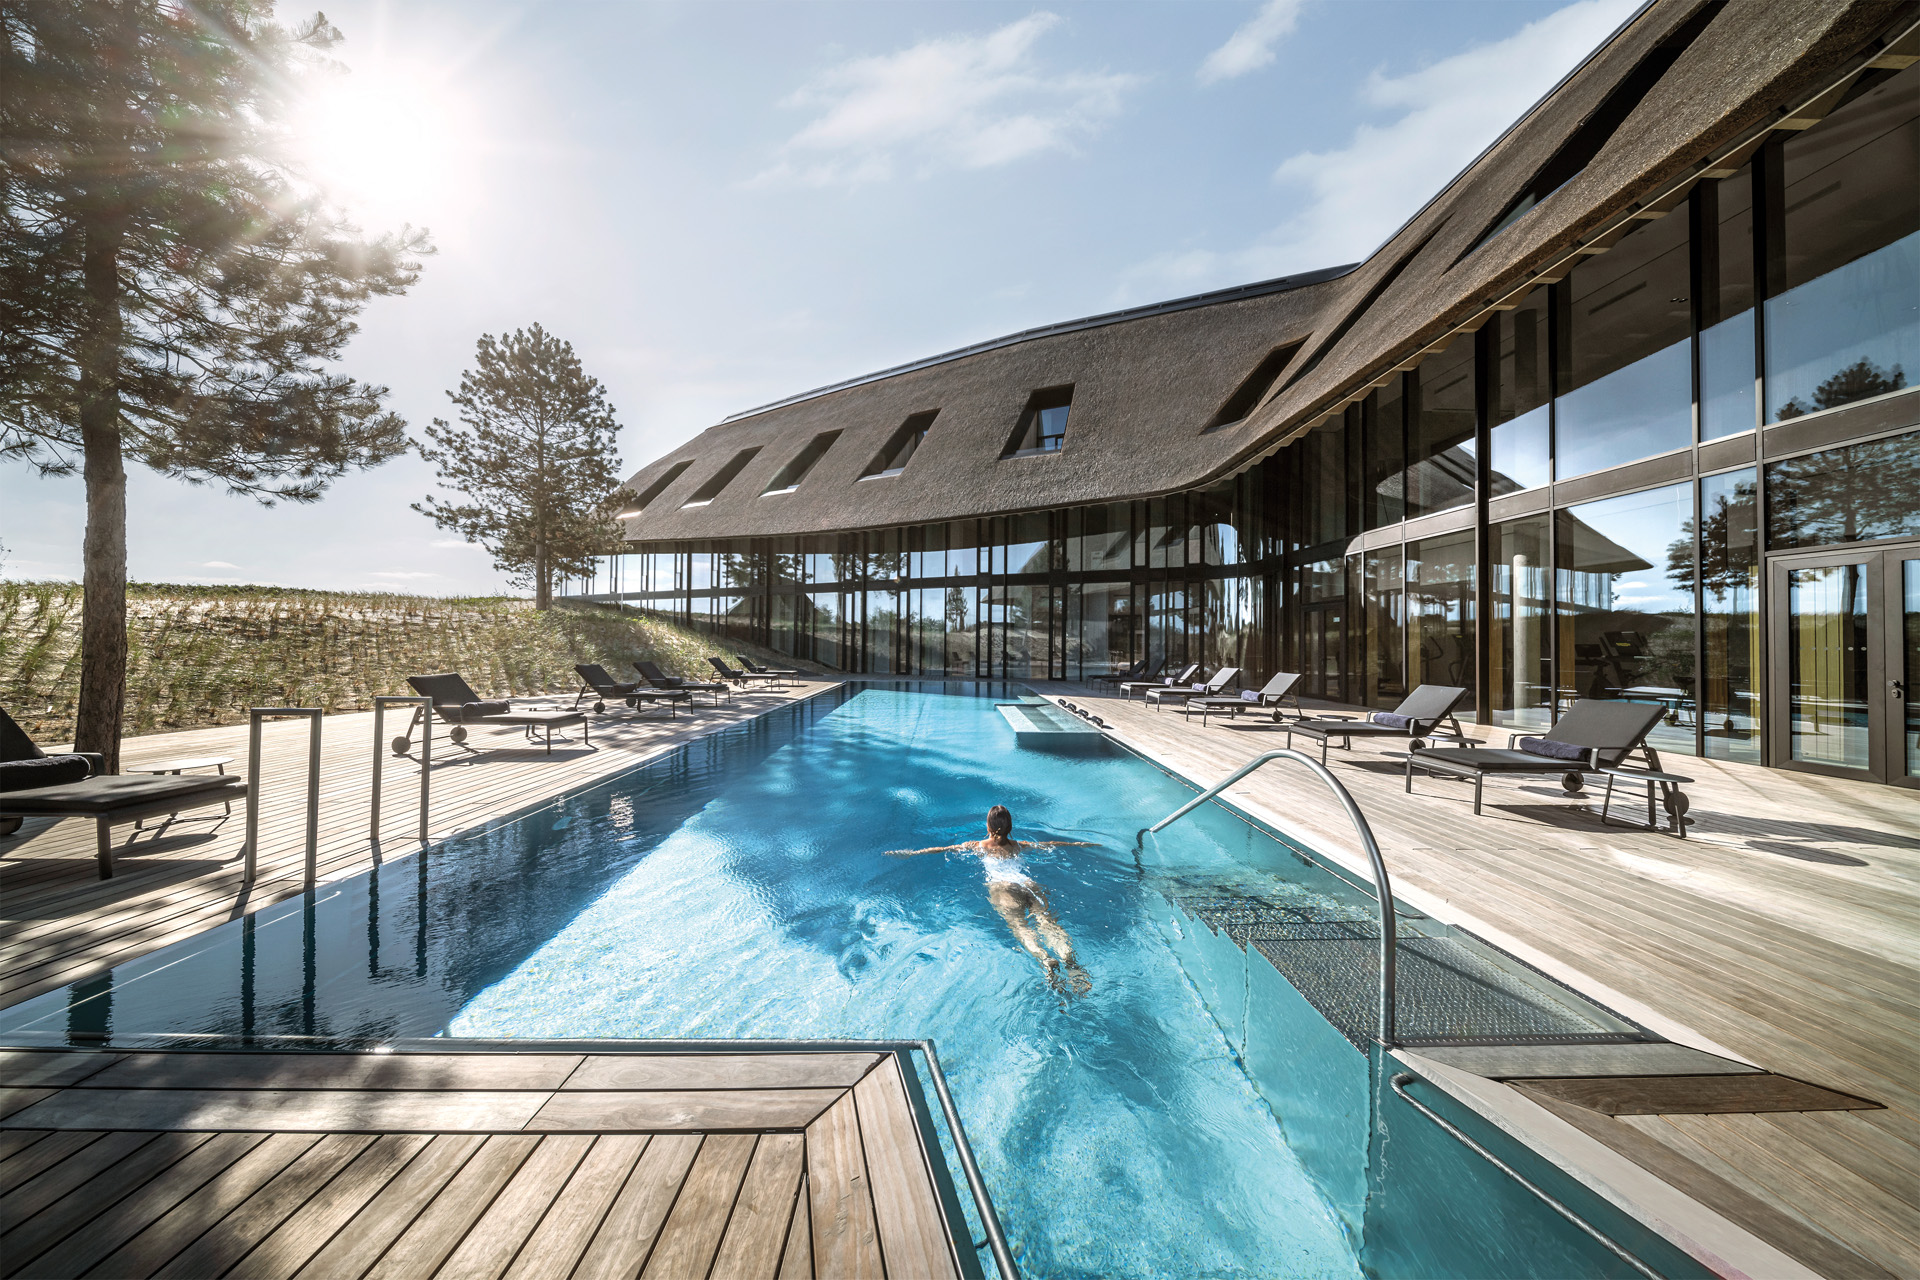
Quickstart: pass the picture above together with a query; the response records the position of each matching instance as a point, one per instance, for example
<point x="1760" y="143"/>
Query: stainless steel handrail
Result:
<point x="256" y="716"/>
<point x="425" y="714"/>
<point x="1399" y="1083"/>
<point x="1383" y="889"/>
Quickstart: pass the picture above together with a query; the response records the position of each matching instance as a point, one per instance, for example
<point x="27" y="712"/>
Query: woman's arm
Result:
<point x="1063" y="844"/>
<point x="914" y="853"/>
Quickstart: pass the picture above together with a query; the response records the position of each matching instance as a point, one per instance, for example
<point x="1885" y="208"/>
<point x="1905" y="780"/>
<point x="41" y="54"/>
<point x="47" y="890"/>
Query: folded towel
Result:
<point x="1249" y="695"/>
<point x="1551" y="750"/>
<point x="1200" y="688"/>
<point x="47" y="771"/>
<point x="474" y="710"/>
<point x="1390" y="720"/>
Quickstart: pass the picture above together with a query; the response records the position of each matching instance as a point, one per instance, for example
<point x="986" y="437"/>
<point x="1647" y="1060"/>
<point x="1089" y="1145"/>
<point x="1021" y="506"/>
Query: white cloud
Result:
<point x="970" y="102"/>
<point x="1251" y="47"/>
<point x="402" y="577"/>
<point x="1357" y="195"/>
<point x="218" y="564"/>
<point x="451" y="544"/>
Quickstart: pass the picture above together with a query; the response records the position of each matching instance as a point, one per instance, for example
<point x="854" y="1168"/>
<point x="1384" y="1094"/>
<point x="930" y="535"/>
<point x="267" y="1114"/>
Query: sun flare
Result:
<point x="387" y="142"/>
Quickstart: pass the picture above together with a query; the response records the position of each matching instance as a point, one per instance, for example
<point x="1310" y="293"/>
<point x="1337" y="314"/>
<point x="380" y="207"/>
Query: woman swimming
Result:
<point x="1016" y="895"/>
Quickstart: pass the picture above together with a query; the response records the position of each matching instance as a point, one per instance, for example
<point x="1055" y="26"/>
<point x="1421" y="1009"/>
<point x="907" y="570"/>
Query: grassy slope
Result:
<point x="202" y="655"/>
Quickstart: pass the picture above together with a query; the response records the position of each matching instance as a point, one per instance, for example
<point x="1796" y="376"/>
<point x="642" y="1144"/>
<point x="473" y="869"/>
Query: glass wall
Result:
<point x="1845" y="495"/>
<point x="1723" y="226"/>
<point x="1730" y="615"/>
<point x="1441" y="424"/>
<point x="1440" y="611"/>
<point x="1518" y="393"/>
<point x="1520" y="580"/>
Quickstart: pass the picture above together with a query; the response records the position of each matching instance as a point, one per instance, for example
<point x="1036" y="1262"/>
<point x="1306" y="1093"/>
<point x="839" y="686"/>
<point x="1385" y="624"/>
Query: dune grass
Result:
<point x="200" y="656"/>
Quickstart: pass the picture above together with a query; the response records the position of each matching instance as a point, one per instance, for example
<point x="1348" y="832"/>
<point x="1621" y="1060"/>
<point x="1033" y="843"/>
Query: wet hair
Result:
<point x="999" y="821"/>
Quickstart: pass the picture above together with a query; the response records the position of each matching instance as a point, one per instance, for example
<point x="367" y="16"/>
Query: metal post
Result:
<point x="380" y="705"/>
<point x="256" y="717"/>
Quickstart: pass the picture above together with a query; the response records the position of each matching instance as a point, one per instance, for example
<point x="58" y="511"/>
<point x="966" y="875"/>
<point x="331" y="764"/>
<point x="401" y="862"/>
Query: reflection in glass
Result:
<point x="1625" y="600"/>
<point x="1827" y="665"/>
<point x="1440" y="587"/>
<point x="1520" y="693"/>
<point x="1625" y="353"/>
<point x="1843" y="312"/>
<point x="1385" y="644"/>
<point x="1723" y="221"/>
<point x="1322" y="466"/>
<point x="1230" y="624"/>
<point x="1100" y="538"/>
<point x="1384" y="452"/>
<point x="1440" y="431"/>
<point x="1909" y="663"/>
<point x="1860" y="491"/>
<point x="1730" y="615"/>
<point x="1517" y="400"/>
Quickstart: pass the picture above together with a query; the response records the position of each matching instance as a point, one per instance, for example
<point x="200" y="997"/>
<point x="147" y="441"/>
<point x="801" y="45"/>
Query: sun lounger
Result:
<point x="36" y="785"/>
<point x="1141" y="670"/>
<point x="661" y="680"/>
<point x="455" y="703"/>
<point x="1419" y="717"/>
<point x="748" y="665"/>
<point x="1276" y="693"/>
<point x="741" y="677"/>
<point x="1593" y="735"/>
<point x="605" y="689"/>
<point x="1180" y="693"/>
<point x="1141" y="686"/>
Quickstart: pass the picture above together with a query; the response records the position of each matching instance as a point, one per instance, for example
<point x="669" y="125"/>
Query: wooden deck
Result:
<point x="59" y="923"/>
<point x="1785" y="928"/>
<point x="477" y="1165"/>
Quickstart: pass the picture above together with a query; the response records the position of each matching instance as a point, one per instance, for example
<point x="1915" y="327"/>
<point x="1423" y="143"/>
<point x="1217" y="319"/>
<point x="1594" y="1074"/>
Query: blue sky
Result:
<point x="723" y="203"/>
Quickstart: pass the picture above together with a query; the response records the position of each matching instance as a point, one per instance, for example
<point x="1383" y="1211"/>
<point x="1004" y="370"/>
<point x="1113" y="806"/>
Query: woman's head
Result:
<point x="999" y="821"/>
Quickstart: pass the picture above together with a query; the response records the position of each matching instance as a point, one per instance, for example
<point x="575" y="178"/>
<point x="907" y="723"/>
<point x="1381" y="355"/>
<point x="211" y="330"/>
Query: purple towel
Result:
<point x="1249" y="695"/>
<point x="47" y="771"/>
<point x="1551" y="750"/>
<point x="1390" y="720"/>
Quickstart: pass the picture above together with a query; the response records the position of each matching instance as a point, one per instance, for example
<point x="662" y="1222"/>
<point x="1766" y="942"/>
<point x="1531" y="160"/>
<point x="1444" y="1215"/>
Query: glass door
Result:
<point x="1846" y="658"/>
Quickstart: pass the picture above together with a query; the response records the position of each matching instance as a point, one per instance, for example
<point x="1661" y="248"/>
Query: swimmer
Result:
<point x="1016" y="895"/>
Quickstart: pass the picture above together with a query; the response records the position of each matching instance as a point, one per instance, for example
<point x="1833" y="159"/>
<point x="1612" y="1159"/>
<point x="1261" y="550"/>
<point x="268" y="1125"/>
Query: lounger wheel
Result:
<point x="8" y="826"/>
<point x="458" y="733"/>
<point x="633" y="704"/>
<point x="599" y="708"/>
<point x="1574" y="783"/>
<point x="1676" y="803"/>
<point x="402" y="745"/>
<point x="1418" y="744"/>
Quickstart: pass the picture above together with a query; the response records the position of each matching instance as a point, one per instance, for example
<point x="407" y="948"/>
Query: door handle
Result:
<point x="1896" y="689"/>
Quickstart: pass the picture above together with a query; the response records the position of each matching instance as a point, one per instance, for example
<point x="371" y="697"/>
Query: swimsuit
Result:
<point x="1005" y="870"/>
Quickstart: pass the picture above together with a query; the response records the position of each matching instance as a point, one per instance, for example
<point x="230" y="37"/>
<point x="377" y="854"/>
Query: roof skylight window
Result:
<point x="646" y="496"/>
<point x="721" y="479"/>
<point x="789" y="477"/>
<point x="1248" y="395"/>
<point x="1043" y="424"/>
<point x="900" y="446"/>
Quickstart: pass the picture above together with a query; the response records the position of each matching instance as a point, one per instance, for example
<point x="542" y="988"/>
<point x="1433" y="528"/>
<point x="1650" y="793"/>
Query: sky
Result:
<point x="721" y="203"/>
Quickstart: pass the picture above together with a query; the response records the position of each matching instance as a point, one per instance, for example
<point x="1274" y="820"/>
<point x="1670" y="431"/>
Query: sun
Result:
<point x="387" y="142"/>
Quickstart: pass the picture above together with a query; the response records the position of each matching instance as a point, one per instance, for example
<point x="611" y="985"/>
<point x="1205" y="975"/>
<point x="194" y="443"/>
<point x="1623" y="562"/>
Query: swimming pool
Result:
<point x="1166" y="1124"/>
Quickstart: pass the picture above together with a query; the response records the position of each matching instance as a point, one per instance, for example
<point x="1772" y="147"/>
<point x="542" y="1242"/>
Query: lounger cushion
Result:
<point x="1552" y="750"/>
<point x="103" y="795"/>
<point x="1390" y="720"/>
<point x="1488" y="760"/>
<point x="46" y="771"/>
<point x="472" y="709"/>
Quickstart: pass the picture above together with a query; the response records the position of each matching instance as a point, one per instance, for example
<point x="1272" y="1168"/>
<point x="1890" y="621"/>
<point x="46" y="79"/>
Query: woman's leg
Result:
<point x="1012" y="904"/>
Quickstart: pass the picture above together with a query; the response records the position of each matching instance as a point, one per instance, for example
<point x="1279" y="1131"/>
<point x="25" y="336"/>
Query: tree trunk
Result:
<point x="103" y="618"/>
<point x="542" y="575"/>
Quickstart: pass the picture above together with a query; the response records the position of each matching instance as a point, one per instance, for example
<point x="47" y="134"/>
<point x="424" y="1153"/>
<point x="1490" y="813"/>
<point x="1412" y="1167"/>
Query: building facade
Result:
<point x="1625" y="412"/>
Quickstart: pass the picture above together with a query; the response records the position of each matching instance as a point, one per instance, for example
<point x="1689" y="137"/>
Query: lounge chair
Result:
<point x="1180" y="693"/>
<point x="1419" y="717"/>
<point x="1141" y="686"/>
<point x="605" y="689"/>
<point x="1593" y="736"/>
<point x="455" y="703"/>
<point x="1276" y="693"/>
<point x="741" y="677"/>
<point x="34" y="784"/>
<point x="671" y="684"/>
<point x="1141" y="670"/>
<point x="748" y="665"/>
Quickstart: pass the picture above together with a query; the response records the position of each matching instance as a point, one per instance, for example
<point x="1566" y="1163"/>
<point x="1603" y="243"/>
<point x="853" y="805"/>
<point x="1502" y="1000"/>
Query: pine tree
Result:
<point x="533" y="456"/>
<point x="169" y="289"/>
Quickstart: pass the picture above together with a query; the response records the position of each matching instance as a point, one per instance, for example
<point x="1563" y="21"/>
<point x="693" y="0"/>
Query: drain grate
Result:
<point x="1450" y="988"/>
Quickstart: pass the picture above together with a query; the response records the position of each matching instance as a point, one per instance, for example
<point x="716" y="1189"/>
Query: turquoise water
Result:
<point x="1184" y="1118"/>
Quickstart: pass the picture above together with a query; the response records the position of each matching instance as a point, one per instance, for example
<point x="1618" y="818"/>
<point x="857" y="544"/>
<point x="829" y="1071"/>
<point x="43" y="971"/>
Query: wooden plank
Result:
<point x="110" y="1228"/>
<point x="845" y="1240"/>
<point x="757" y="1234"/>
<point x="88" y="1156"/>
<point x="42" y="1149"/>
<point x="646" y="1071"/>
<point x="796" y="1261"/>
<point x="14" y="1141"/>
<point x="693" y="1229"/>
<point x="557" y="1244"/>
<point x="385" y="1071"/>
<point x="706" y="1111"/>
<point x="393" y="1209"/>
<point x="308" y="1229"/>
<point x="94" y="1185"/>
<point x="13" y="1101"/>
<point x="180" y="1226"/>
<point x="493" y="1241"/>
<point x="444" y="1223"/>
<point x="37" y="1068"/>
<point x="626" y="1235"/>
<point x="228" y="1240"/>
<point x="1693" y="1095"/>
<point x="283" y="1110"/>
<point x="906" y="1210"/>
<point x="1522" y="1061"/>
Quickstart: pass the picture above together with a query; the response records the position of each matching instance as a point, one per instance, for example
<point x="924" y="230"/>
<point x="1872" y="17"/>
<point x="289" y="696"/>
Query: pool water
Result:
<point x="742" y="888"/>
